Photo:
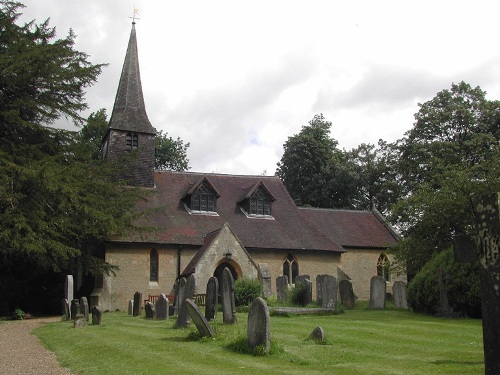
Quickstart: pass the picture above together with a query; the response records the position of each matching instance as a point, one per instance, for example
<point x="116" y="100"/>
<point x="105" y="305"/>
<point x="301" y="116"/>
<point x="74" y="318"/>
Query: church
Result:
<point x="204" y="222"/>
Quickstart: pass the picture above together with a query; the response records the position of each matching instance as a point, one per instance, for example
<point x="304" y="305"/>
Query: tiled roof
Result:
<point x="287" y="229"/>
<point x="129" y="111"/>
<point x="350" y="228"/>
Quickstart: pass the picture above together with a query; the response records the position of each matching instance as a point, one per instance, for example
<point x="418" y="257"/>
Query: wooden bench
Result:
<point x="199" y="299"/>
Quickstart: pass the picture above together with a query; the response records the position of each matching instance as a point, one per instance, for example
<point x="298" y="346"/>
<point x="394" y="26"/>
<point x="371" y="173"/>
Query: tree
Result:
<point x="92" y="133"/>
<point x="170" y="154"/>
<point x="449" y="157"/>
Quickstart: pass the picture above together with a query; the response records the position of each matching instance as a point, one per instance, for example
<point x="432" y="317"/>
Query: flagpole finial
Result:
<point x="135" y="15"/>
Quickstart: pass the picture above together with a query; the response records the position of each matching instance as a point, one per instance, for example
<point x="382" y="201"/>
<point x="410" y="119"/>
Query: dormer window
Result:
<point x="258" y="202"/>
<point x="132" y="141"/>
<point x="202" y="198"/>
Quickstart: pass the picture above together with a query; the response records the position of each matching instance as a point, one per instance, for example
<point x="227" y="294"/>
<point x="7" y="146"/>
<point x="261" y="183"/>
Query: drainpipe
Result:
<point x="179" y="251"/>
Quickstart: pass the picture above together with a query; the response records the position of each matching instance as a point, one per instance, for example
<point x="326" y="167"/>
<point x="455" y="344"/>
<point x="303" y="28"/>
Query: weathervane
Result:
<point x="135" y="15"/>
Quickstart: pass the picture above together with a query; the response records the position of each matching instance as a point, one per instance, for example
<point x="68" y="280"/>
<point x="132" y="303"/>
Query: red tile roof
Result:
<point x="287" y="229"/>
<point x="363" y="229"/>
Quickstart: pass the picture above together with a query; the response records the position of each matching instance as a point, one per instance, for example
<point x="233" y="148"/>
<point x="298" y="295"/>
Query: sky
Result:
<point x="235" y="79"/>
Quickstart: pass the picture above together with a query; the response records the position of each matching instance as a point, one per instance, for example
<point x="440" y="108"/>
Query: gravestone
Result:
<point x="68" y="288"/>
<point x="318" y="334"/>
<point x="66" y="314"/>
<point x="131" y="307"/>
<point x="228" y="303"/>
<point x="96" y="315"/>
<point x="399" y="295"/>
<point x="84" y="308"/>
<point x="326" y="291"/>
<point x="180" y="288"/>
<point x="212" y="298"/>
<point x="186" y="291"/>
<point x="258" y="329"/>
<point x="378" y="293"/>
<point x="282" y="287"/>
<point x="485" y="246"/>
<point x="304" y="281"/>
<point x="80" y="322"/>
<point x="149" y="310"/>
<point x="346" y="294"/>
<point x="75" y="309"/>
<point x="137" y="304"/>
<point x="265" y="280"/>
<point x="445" y="310"/>
<point x="161" y="307"/>
<point x="198" y="319"/>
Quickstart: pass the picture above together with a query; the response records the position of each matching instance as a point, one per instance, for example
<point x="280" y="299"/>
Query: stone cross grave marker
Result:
<point x="137" y="304"/>
<point x="228" y="303"/>
<point x="305" y="282"/>
<point x="326" y="291"/>
<point x="258" y="325"/>
<point x="161" y="307"/>
<point x="212" y="298"/>
<point x="485" y="246"/>
<point x="198" y="319"/>
<point x="282" y="287"/>
<point x="377" y="293"/>
<point x="346" y="294"/>
<point x="399" y="295"/>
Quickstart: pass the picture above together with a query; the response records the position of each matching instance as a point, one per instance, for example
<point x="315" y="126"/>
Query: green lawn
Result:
<point x="357" y="342"/>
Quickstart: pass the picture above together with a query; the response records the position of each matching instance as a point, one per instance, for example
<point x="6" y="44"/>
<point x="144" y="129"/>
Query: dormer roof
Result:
<point x="129" y="111"/>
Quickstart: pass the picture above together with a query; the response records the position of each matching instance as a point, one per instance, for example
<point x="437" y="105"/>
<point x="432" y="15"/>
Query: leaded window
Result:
<point x="153" y="266"/>
<point x="259" y="203"/>
<point x="203" y="199"/>
<point x="383" y="267"/>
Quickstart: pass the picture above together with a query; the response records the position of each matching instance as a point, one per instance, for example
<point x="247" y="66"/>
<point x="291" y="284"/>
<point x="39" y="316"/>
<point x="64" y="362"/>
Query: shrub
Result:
<point x="18" y="314"/>
<point x="246" y="290"/>
<point x="297" y="296"/>
<point x="462" y="282"/>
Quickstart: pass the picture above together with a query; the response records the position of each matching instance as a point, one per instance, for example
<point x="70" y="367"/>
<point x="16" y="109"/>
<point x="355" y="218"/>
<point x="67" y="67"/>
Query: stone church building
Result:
<point x="204" y="222"/>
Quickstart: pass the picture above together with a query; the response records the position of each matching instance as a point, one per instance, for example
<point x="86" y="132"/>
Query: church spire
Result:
<point x="129" y="111"/>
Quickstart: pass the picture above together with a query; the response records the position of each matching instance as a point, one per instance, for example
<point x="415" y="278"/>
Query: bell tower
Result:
<point x="130" y="139"/>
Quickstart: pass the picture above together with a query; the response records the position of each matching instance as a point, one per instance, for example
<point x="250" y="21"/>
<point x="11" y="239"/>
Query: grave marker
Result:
<point x="96" y="315"/>
<point x="68" y="288"/>
<point x="131" y="307"/>
<point x="304" y="281"/>
<point x="65" y="310"/>
<point x="228" y="303"/>
<point x="137" y="304"/>
<point x="318" y="334"/>
<point x="258" y="325"/>
<point x="399" y="295"/>
<point x="326" y="291"/>
<point x="161" y="307"/>
<point x="212" y="298"/>
<point x="149" y="310"/>
<point x="377" y="293"/>
<point x="282" y="287"/>
<point x="198" y="319"/>
<point x="346" y="294"/>
<point x="84" y="308"/>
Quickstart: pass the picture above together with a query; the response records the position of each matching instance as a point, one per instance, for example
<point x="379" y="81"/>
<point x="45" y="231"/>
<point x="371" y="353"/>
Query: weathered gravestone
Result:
<point x="75" y="309"/>
<point x="282" y="287"/>
<point x="265" y="280"/>
<point x="84" y="308"/>
<point x="137" y="304"/>
<point x="445" y="310"/>
<point x="161" y="307"/>
<point x="212" y="298"/>
<point x="66" y="315"/>
<point x="80" y="322"/>
<point x="131" y="307"/>
<point x="198" y="319"/>
<point x="96" y="315"/>
<point x="485" y="246"/>
<point x="149" y="310"/>
<point x="68" y="288"/>
<point x="186" y="291"/>
<point x="378" y="293"/>
<point x="399" y="295"/>
<point x="346" y="294"/>
<point x="326" y="291"/>
<point x="317" y="334"/>
<point x="258" y="325"/>
<point x="228" y="303"/>
<point x="304" y="281"/>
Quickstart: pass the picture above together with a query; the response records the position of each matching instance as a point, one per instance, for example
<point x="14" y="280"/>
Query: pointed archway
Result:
<point x="231" y="265"/>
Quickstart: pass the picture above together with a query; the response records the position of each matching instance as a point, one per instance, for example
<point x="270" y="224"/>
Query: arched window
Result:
<point x="291" y="268"/>
<point x="153" y="266"/>
<point x="132" y="141"/>
<point x="383" y="267"/>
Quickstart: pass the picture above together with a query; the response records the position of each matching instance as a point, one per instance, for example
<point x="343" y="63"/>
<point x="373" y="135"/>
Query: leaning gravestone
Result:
<point x="346" y="294"/>
<point x="131" y="307"/>
<point x="282" y="287"/>
<point x="161" y="307"/>
<point x="326" y="291"/>
<point x="186" y="290"/>
<point x="399" y="295"/>
<point x="198" y="319"/>
<point x="137" y="304"/>
<point x="96" y="315"/>
<point x="149" y="310"/>
<point x="212" y="298"/>
<point x="68" y="288"/>
<point x="258" y="325"/>
<point x="304" y="281"/>
<point x="84" y="308"/>
<point x="65" y="310"/>
<point x="317" y="334"/>
<point x="377" y="293"/>
<point x="75" y="309"/>
<point x="228" y="303"/>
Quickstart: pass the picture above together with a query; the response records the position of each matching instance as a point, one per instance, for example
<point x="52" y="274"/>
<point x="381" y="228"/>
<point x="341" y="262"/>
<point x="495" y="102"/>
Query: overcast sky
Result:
<point x="236" y="78"/>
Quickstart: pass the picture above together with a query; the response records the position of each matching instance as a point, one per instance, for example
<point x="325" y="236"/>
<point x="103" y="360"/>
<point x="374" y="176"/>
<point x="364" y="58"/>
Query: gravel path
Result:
<point x="21" y="353"/>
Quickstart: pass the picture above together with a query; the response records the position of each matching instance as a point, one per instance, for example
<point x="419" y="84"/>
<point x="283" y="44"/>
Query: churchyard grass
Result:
<point x="359" y="341"/>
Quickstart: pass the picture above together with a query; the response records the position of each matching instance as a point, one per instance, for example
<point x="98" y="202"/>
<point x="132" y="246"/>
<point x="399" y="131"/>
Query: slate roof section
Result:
<point x="129" y="110"/>
<point x="175" y="225"/>
<point x="349" y="228"/>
